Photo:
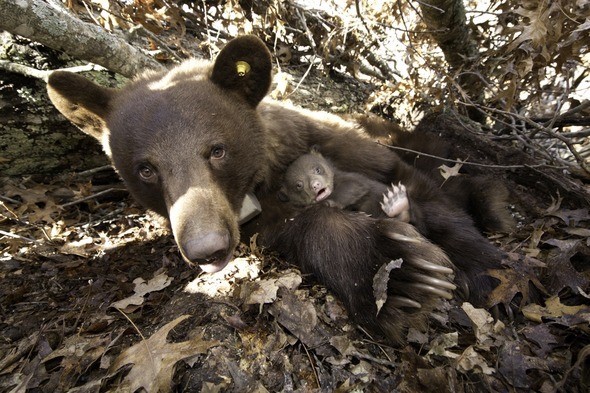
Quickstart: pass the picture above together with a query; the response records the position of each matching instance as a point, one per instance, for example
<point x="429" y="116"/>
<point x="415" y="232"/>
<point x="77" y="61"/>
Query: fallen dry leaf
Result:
<point x="265" y="291"/>
<point x="561" y="272"/>
<point x="542" y="337"/>
<point x="484" y="326"/>
<point x="222" y="283"/>
<point x="297" y="315"/>
<point x="142" y="288"/>
<point x="553" y="309"/>
<point x="471" y="360"/>
<point x="154" y="359"/>
<point x="37" y="207"/>
<point x="555" y="205"/>
<point x="450" y="171"/>
<point x="380" y="282"/>
<point x="514" y="364"/>
<point x="572" y="217"/>
<point x="440" y="345"/>
<point x="515" y="279"/>
<point x="78" y="353"/>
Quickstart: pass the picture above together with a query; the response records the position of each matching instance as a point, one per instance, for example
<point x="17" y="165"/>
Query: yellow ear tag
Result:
<point x="242" y="67"/>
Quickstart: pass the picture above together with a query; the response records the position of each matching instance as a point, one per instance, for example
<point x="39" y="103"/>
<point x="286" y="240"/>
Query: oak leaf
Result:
<point x="450" y="171"/>
<point x="154" y="359"/>
<point x="380" y="282"/>
<point x="515" y="279"/>
<point x="553" y="309"/>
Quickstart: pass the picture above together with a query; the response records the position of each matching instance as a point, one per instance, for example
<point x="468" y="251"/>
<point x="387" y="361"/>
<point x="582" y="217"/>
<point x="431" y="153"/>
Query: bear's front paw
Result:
<point x="424" y="278"/>
<point x="396" y="203"/>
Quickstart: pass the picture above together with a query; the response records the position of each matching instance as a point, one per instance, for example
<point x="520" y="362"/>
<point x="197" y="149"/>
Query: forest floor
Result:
<point x="95" y="297"/>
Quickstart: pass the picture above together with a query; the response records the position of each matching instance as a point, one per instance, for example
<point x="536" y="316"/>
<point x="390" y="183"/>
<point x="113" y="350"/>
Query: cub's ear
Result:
<point x="282" y="196"/>
<point x="81" y="101"/>
<point x="315" y="149"/>
<point x="244" y="66"/>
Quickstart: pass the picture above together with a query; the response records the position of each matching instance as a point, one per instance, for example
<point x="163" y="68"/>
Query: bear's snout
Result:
<point x="211" y="250"/>
<point x="205" y="226"/>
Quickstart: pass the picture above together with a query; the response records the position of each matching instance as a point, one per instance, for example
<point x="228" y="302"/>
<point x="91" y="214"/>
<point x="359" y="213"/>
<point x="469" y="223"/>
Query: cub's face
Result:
<point x="308" y="180"/>
<point x="188" y="143"/>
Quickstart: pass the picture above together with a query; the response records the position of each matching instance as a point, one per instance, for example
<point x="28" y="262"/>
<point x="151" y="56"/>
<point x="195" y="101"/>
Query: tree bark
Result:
<point x="60" y="30"/>
<point x="448" y="23"/>
<point x="34" y="137"/>
<point x="446" y="19"/>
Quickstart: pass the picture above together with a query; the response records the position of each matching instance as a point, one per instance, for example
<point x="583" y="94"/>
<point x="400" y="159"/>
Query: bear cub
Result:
<point x="312" y="179"/>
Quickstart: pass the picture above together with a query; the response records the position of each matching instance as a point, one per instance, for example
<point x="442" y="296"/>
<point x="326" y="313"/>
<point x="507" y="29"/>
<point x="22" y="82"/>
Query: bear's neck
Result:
<point x="291" y="132"/>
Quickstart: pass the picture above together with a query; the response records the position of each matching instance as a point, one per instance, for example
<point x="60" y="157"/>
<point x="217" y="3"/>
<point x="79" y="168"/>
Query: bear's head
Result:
<point x="188" y="142"/>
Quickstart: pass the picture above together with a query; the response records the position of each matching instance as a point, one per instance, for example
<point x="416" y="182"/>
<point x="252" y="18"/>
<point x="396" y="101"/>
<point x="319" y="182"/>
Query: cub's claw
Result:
<point x="396" y="203"/>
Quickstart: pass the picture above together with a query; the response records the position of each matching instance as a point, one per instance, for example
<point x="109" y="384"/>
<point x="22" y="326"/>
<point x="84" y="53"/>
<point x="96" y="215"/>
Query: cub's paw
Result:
<point x="396" y="203"/>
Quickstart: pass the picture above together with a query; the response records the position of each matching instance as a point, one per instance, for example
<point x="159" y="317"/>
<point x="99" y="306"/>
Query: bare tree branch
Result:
<point x="58" y="29"/>
<point x="446" y="19"/>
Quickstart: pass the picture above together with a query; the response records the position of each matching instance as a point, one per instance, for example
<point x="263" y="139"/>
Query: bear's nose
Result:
<point x="208" y="248"/>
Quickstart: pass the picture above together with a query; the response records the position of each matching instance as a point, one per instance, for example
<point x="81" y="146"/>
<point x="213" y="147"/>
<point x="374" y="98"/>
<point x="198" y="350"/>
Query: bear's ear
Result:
<point x="244" y="66"/>
<point x="81" y="101"/>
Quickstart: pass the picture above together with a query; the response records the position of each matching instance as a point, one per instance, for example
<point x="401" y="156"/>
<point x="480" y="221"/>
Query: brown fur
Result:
<point x="483" y="198"/>
<point x="191" y="142"/>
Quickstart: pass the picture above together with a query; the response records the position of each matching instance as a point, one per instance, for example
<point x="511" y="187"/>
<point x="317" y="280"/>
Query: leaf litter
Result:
<point x="96" y="298"/>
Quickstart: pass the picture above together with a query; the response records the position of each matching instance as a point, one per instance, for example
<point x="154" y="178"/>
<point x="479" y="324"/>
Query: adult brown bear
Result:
<point x="192" y="142"/>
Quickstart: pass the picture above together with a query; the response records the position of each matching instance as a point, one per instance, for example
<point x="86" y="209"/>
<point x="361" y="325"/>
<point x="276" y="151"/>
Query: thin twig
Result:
<point x="90" y="14"/>
<point x="549" y="132"/>
<point x="575" y="134"/>
<point x="303" y="21"/>
<point x="315" y="373"/>
<point x="524" y="119"/>
<point x="583" y="106"/>
<point x="143" y="339"/>
<point x="550" y="124"/>
<point x="9" y="200"/>
<point x="14" y="235"/>
<point x="94" y="170"/>
<point x="372" y="341"/>
<point x="360" y="15"/>
<point x="155" y="38"/>
<point x="206" y="17"/>
<point x="101" y="193"/>
<point x="303" y="77"/>
<point x="469" y="162"/>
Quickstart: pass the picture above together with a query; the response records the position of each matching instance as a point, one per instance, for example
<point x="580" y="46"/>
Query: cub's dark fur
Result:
<point x="192" y="141"/>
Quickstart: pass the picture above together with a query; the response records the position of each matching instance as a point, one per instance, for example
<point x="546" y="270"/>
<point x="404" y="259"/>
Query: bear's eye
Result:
<point x="318" y="170"/>
<point x="299" y="185"/>
<point x="146" y="173"/>
<point x="218" y="152"/>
